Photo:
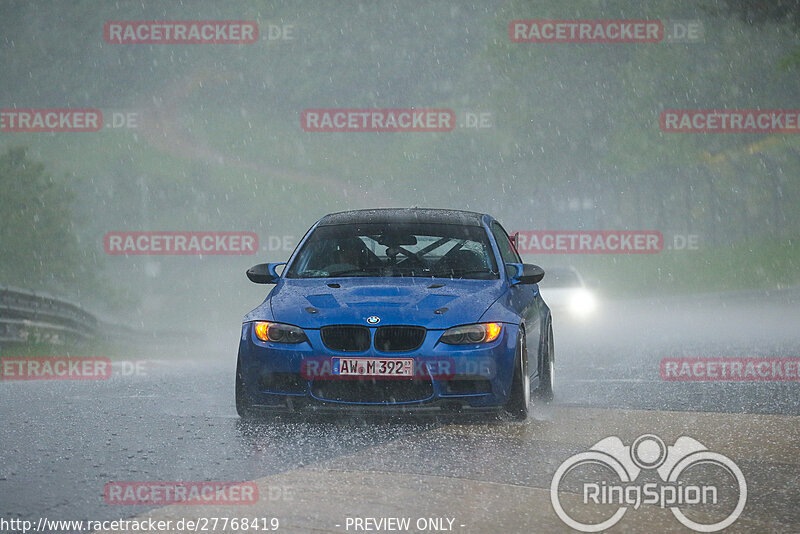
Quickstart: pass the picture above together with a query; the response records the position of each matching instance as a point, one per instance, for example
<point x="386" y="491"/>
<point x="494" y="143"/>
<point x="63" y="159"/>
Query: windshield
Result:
<point x="418" y="250"/>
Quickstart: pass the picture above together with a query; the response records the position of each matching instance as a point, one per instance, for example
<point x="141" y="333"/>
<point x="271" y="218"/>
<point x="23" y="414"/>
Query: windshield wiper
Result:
<point x="348" y="272"/>
<point x="460" y="274"/>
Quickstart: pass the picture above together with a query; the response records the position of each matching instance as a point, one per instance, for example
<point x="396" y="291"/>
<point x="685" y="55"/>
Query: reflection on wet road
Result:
<point x="63" y="441"/>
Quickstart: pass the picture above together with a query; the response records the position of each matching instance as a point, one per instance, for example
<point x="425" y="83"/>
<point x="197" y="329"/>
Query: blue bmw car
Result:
<point x="421" y="310"/>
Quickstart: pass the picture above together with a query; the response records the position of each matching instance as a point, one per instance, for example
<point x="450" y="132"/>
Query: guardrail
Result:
<point x="29" y="316"/>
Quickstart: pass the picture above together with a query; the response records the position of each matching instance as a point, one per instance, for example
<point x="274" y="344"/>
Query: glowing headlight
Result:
<point x="472" y="333"/>
<point x="582" y="303"/>
<point x="278" y="332"/>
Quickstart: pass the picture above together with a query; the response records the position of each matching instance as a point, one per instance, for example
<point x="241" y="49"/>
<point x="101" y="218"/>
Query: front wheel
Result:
<point x="547" y="375"/>
<point x="520" y="399"/>
<point x="243" y="403"/>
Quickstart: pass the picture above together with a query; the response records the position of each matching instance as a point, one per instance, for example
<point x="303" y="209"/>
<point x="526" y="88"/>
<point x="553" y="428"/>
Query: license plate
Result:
<point x="373" y="367"/>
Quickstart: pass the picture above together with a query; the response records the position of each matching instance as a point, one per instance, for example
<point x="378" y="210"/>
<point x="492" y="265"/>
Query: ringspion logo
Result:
<point x="180" y="32"/>
<point x="621" y="477"/>
<point x="378" y="120"/>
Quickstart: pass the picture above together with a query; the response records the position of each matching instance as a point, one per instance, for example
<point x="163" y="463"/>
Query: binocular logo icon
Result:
<point x="649" y="453"/>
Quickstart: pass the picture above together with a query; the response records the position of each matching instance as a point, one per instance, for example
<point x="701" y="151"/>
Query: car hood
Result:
<point x="313" y="303"/>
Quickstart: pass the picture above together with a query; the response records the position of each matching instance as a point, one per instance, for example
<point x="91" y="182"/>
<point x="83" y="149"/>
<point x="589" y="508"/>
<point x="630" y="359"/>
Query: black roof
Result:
<point x="403" y="215"/>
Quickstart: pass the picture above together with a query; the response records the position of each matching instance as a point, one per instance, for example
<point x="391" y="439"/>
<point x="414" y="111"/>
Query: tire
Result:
<point x="520" y="398"/>
<point x="547" y="372"/>
<point x="244" y="405"/>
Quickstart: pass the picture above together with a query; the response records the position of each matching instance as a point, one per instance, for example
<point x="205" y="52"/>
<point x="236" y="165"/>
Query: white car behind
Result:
<point x="565" y="292"/>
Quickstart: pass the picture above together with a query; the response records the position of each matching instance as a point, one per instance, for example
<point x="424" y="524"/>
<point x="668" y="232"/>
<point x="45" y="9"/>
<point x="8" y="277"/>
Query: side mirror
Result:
<point x="526" y="273"/>
<point x="264" y="273"/>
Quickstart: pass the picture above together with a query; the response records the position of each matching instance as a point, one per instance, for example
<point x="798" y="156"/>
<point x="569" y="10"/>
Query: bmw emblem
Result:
<point x="373" y="319"/>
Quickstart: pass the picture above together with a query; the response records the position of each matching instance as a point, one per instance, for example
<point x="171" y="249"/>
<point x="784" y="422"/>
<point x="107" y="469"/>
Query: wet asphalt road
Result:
<point x="61" y="442"/>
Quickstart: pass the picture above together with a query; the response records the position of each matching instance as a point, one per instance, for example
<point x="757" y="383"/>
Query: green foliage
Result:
<point x="38" y="238"/>
<point x="570" y="121"/>
<point x="751" y="264"/>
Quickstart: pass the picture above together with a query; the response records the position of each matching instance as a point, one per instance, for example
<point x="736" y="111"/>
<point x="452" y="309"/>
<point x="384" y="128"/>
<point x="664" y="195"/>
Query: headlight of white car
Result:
<point x="582" y="303"/>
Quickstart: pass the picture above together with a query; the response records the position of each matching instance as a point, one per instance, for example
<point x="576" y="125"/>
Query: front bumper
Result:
<point x="284" y="377"/>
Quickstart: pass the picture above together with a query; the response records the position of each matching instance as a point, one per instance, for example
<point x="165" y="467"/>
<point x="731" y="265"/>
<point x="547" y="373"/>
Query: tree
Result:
<point x="39" y="248"/>
<point x="759" y="13"/>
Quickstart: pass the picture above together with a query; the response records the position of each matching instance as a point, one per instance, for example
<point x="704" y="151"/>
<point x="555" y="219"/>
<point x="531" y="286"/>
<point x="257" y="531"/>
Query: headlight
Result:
<point x="472" y="333"/>
<point x="278" y="332"/>
<point x="582" y="303"/>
